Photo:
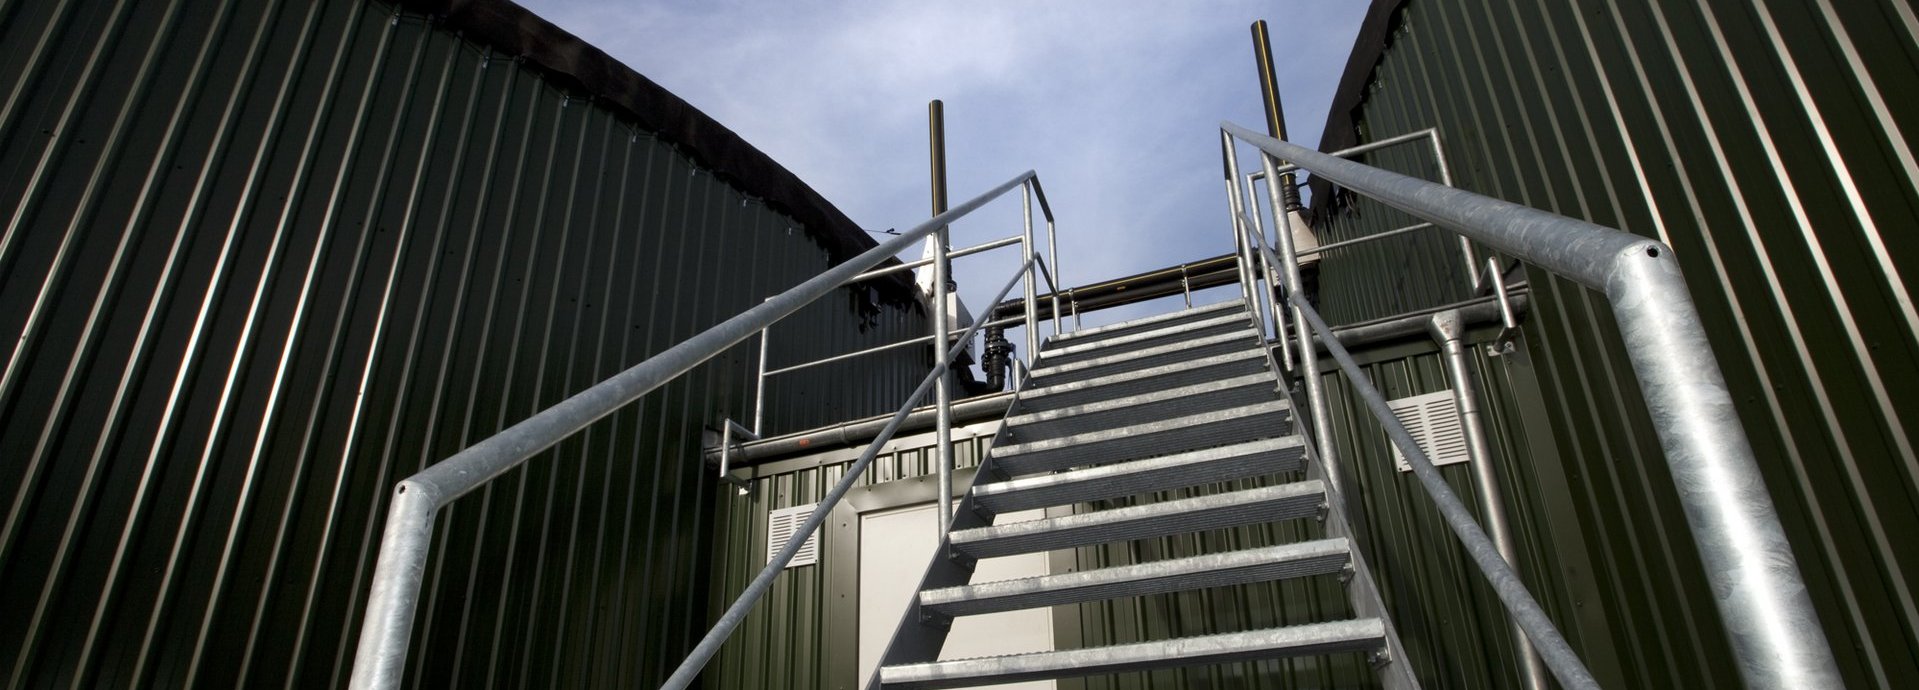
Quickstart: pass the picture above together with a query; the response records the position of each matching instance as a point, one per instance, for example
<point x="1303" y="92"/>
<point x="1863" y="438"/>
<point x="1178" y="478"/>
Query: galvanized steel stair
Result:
<point x="1175" y="401"/>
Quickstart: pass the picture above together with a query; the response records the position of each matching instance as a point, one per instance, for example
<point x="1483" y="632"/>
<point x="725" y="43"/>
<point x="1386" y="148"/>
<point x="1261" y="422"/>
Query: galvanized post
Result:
<point x="1448" y="328"/>
<point x="1032" y="289"/>
<point x="1308" y="355"/>
<point x="759" y="390"/>
<point x="1237" y="209"/>
<point x="1059" y="279"/>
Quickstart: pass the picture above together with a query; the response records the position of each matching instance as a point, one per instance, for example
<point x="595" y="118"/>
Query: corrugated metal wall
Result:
<point x="803" y="634"/>
<point x="1766" y="141"/>
<point x="1449" y="619"/>
<point x="262" y="259"/>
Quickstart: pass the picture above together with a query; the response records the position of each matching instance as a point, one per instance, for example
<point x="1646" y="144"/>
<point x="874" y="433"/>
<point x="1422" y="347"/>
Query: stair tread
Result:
<point x="1295" y="640"/>
<point x="1249" y="506"/>
<point x="1191" y="468"/>
<point x="1084" y="333"/>
<point x="1174" y="393"/>
<point x="1143" y="440"/>
<point x="1039" y="394"/>
<point x="1044" y="370"/>
<point x="1074" y="348"/>
<point x="1300" y="559"/>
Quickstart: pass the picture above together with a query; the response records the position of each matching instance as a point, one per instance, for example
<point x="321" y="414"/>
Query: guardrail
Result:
<point x="1776" y="638"/>
<point x="405" y="544"/>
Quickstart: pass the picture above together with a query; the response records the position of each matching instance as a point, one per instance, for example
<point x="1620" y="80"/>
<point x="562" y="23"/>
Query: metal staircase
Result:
<point x="1176" y="401"/>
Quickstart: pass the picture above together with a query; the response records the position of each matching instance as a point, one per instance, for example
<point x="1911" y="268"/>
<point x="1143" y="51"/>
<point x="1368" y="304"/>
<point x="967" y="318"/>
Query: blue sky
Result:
<point x="1115" y="104"/>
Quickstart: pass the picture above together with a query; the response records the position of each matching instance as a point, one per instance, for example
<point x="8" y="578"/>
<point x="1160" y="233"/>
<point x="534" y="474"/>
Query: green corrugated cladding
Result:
<point x="803" y="634"/>
<point x="265" y="258"/>
<point x="1766" y="141"/>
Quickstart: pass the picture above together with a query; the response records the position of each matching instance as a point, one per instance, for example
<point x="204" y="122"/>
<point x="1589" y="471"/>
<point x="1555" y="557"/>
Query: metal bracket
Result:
<point x="965" y="562"/>
<point x="929" y="617"/>
<point x="1502" y="344"/>
<point x="727" y="429"/>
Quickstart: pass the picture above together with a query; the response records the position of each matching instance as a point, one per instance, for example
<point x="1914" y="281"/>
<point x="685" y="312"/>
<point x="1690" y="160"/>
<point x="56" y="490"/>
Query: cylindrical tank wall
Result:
<point x="1766" y="141"/>
<point x="263" y="259"/>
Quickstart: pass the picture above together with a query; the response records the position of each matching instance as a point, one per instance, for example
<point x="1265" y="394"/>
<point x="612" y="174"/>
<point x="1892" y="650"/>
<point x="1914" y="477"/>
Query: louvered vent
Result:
<point x="780" y="525"/>
<point x="1433" y="420"/>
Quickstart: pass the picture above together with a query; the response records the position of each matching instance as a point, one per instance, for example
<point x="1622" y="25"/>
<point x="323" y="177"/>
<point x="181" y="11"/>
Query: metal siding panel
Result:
<point x="1674" y="121"/>
<point x="286" y="253"/>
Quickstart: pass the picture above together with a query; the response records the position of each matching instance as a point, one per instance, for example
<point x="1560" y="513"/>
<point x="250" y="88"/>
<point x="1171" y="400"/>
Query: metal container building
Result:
<point x="262" y="259"/>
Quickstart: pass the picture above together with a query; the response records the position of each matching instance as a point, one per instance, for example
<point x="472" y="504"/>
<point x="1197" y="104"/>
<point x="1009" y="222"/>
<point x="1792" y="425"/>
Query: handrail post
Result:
<point x="759" y="390"/>
<point x="1237" y="209"/>
<point x="1308" y="354"/>
<point x="1032" y="288"/>
<point x="1052" y="262"/>
<point x="1448" y="328"/>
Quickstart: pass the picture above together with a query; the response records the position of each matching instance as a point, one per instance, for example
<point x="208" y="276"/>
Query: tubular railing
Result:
<point x="405" y="545"/>
<point x="1776" y="638"/>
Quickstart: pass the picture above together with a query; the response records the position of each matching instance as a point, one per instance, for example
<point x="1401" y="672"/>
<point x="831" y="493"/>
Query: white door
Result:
<point x="895" y="546"/>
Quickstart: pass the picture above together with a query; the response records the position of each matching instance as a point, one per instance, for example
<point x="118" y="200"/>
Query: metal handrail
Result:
<point x="1763" y="601"/>
<point x="1520" y="604"/>
<point x="405" y="546"/>
<point x="1525" y="610"/>
<point x="736" y="613"/>
<point x="1007" y="241"/>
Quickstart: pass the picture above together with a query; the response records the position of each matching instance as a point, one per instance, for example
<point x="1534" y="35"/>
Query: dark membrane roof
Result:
<point x="573" y="65"/>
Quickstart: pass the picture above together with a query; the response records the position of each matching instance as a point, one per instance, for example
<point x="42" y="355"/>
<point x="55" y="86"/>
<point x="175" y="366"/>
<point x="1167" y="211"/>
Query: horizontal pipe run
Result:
<point x="1395" y="232"/>
<point x="1478" y="311"/>
<point x="1520" y="604"/>
<point x="380" y="659"/>
<point x="921" y="340"/>
<point x="1196" y="275"/>
<point x="846" y="434"/>
<point x="957" y="253"/>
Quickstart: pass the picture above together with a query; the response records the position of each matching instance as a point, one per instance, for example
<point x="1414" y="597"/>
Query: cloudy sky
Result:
<point x="1115" y="104"/>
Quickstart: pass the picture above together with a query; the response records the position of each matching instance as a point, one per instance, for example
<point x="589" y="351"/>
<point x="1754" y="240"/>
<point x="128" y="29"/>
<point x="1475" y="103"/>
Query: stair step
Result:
<point x="1087" y="335"/>
<point x="1285" y="561"/>
<point x="1217" y="511"/>
<point x="1196" y="398"/>
<point x="1218" y="464"/>
<point x="1158" y="437"/>
<point x="1046" y="396"/>
<point x="1296" y="640"/>
<point x="1146" y="357"/>
<point x="1224" y="322"/>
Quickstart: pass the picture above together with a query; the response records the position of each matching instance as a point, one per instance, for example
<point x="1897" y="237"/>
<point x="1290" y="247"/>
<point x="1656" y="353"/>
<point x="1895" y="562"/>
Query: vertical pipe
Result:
<point x="1032" y="269"/>
<point x="943" y="389"/>
<point x="1059" y="279"/>
<point x="1275" y="115"/>
<point x="759" y="391"/>
<point x="1448" y="328"/>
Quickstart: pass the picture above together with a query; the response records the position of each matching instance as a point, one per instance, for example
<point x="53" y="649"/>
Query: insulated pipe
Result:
<point x="1448" y="328"/>
<point x="1776" y="638"/>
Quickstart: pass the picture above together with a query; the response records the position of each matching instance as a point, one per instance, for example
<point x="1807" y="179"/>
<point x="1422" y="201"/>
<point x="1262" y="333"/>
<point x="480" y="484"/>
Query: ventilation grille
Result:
<point x="780" y="526"/>
<point x="1433" y="420"/>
